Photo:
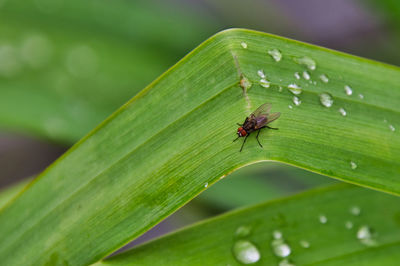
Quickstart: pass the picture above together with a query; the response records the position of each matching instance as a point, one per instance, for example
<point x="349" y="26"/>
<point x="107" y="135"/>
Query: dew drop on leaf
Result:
<point x="275" y="54"/>
<point x="296" y="100"/>
<point x="348" y="90"/>
<point x="243" y="231"/>
<point x="244" y="45"/>
<point x="323" y="219"/>
<point x="348" y="225"/>
<point x="286" y="262"/>
<point x="326" y="99"/>
<point x="295" y="89"/>
<point x="306" y="75"/>
<point x="277" y="234"/>
<point x="261" y="73"/>
<point x="355" y="210"/>
<point x="246" y="252"/>
<point x="280" y="248"/>
<point x="306" y="61"/>
<point x="364" y="234"/>
<point x="342" y="111"/>
<point x="324" y="78"/>
<point x="264" y="83"/>
<point x="304" y="244"/>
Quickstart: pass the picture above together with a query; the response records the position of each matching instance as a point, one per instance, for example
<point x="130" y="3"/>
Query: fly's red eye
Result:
<point x="242" y="132"/>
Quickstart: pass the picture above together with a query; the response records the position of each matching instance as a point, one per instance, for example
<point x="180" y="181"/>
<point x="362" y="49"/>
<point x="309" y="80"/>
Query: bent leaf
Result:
<point x="174" y="138"/>
<point x="348" y="209"/>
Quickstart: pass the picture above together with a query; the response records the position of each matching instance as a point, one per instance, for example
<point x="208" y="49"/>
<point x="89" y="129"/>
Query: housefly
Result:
<point x="256" y="121"/>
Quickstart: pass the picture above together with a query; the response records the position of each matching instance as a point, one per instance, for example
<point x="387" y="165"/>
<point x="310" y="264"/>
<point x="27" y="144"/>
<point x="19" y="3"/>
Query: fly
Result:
<point x="256" y="121"/>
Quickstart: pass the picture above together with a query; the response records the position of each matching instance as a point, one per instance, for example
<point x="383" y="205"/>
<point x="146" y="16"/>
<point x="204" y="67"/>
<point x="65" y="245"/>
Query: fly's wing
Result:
<point x="273" y="116"/>
<point x="263" y="110"/>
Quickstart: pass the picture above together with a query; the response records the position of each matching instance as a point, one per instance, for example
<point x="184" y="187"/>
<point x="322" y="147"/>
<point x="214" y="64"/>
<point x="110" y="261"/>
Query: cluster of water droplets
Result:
<point x="325" y="98"/>
<point x="244" y="250"/>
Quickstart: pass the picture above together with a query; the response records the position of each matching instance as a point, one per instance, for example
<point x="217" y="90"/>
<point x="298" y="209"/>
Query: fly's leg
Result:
<point x="239" y="124"/>
<point x="235" y="139"/>
<point x="244" y="141"/>
<point x="272" y="127"/>
<point x="258" y="133"/>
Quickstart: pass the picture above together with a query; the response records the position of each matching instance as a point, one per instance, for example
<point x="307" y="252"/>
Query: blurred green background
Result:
<point x="67" y="65"/>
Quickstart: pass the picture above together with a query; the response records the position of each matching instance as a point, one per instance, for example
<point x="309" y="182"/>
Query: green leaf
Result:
<point x="174" y="138"/>
<point x="10" y="192"/>
<point x="297" y="218"/>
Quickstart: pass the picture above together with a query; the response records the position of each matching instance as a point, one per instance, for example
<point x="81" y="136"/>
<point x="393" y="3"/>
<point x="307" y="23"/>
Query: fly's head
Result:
<point x="241" y="132"/>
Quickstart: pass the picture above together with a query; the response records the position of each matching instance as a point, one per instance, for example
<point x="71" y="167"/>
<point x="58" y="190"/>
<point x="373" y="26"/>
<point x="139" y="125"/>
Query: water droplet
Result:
<point x="246" y="252"/>
<point x="324" y="78"/>
<point x="286" y="262"/>
<point x="353" y="165"/>
<point x="280" y="248"/>
<point x="392" y="128"/>
<point x="342" y="112"/>
<point x="244" y="45"/>
<point x="355" y="210"/>
<point x="296" y="100"/>
<point x="243" y="231"/>
<point x="361" y="96"/>
<point x="304" y="244"/>
<point x="364" y="234"/>
<point x="36" y="51"/>
<point x="290" y="107"/>
<point x="245" y="83"/>
<point x="261" y="73"/>
<point x="265" y="83"/>
<point x="323" y="219"/>
<point x="82" y="61"/>
<point x="326" y="99"/>
<point x="280" y="88"/>
<point x="206" y="184"/>
<point x="348" y="90"/>
<point x="10" y="65"/>
<point x="306" y="61"/>
<point x="277" y="234"/>
<point x="275" y="54"/>
<point x="295" y="89"/>
<point x="306" y="75"/>
<point x="349" y="225"/>
<point x="297" y="75"/>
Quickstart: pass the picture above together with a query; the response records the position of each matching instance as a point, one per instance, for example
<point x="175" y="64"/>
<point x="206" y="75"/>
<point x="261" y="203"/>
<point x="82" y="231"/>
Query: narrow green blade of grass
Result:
<point x="6" y="194"/>
<point x="297" y="218"/>
<point x="174" y="139"/>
